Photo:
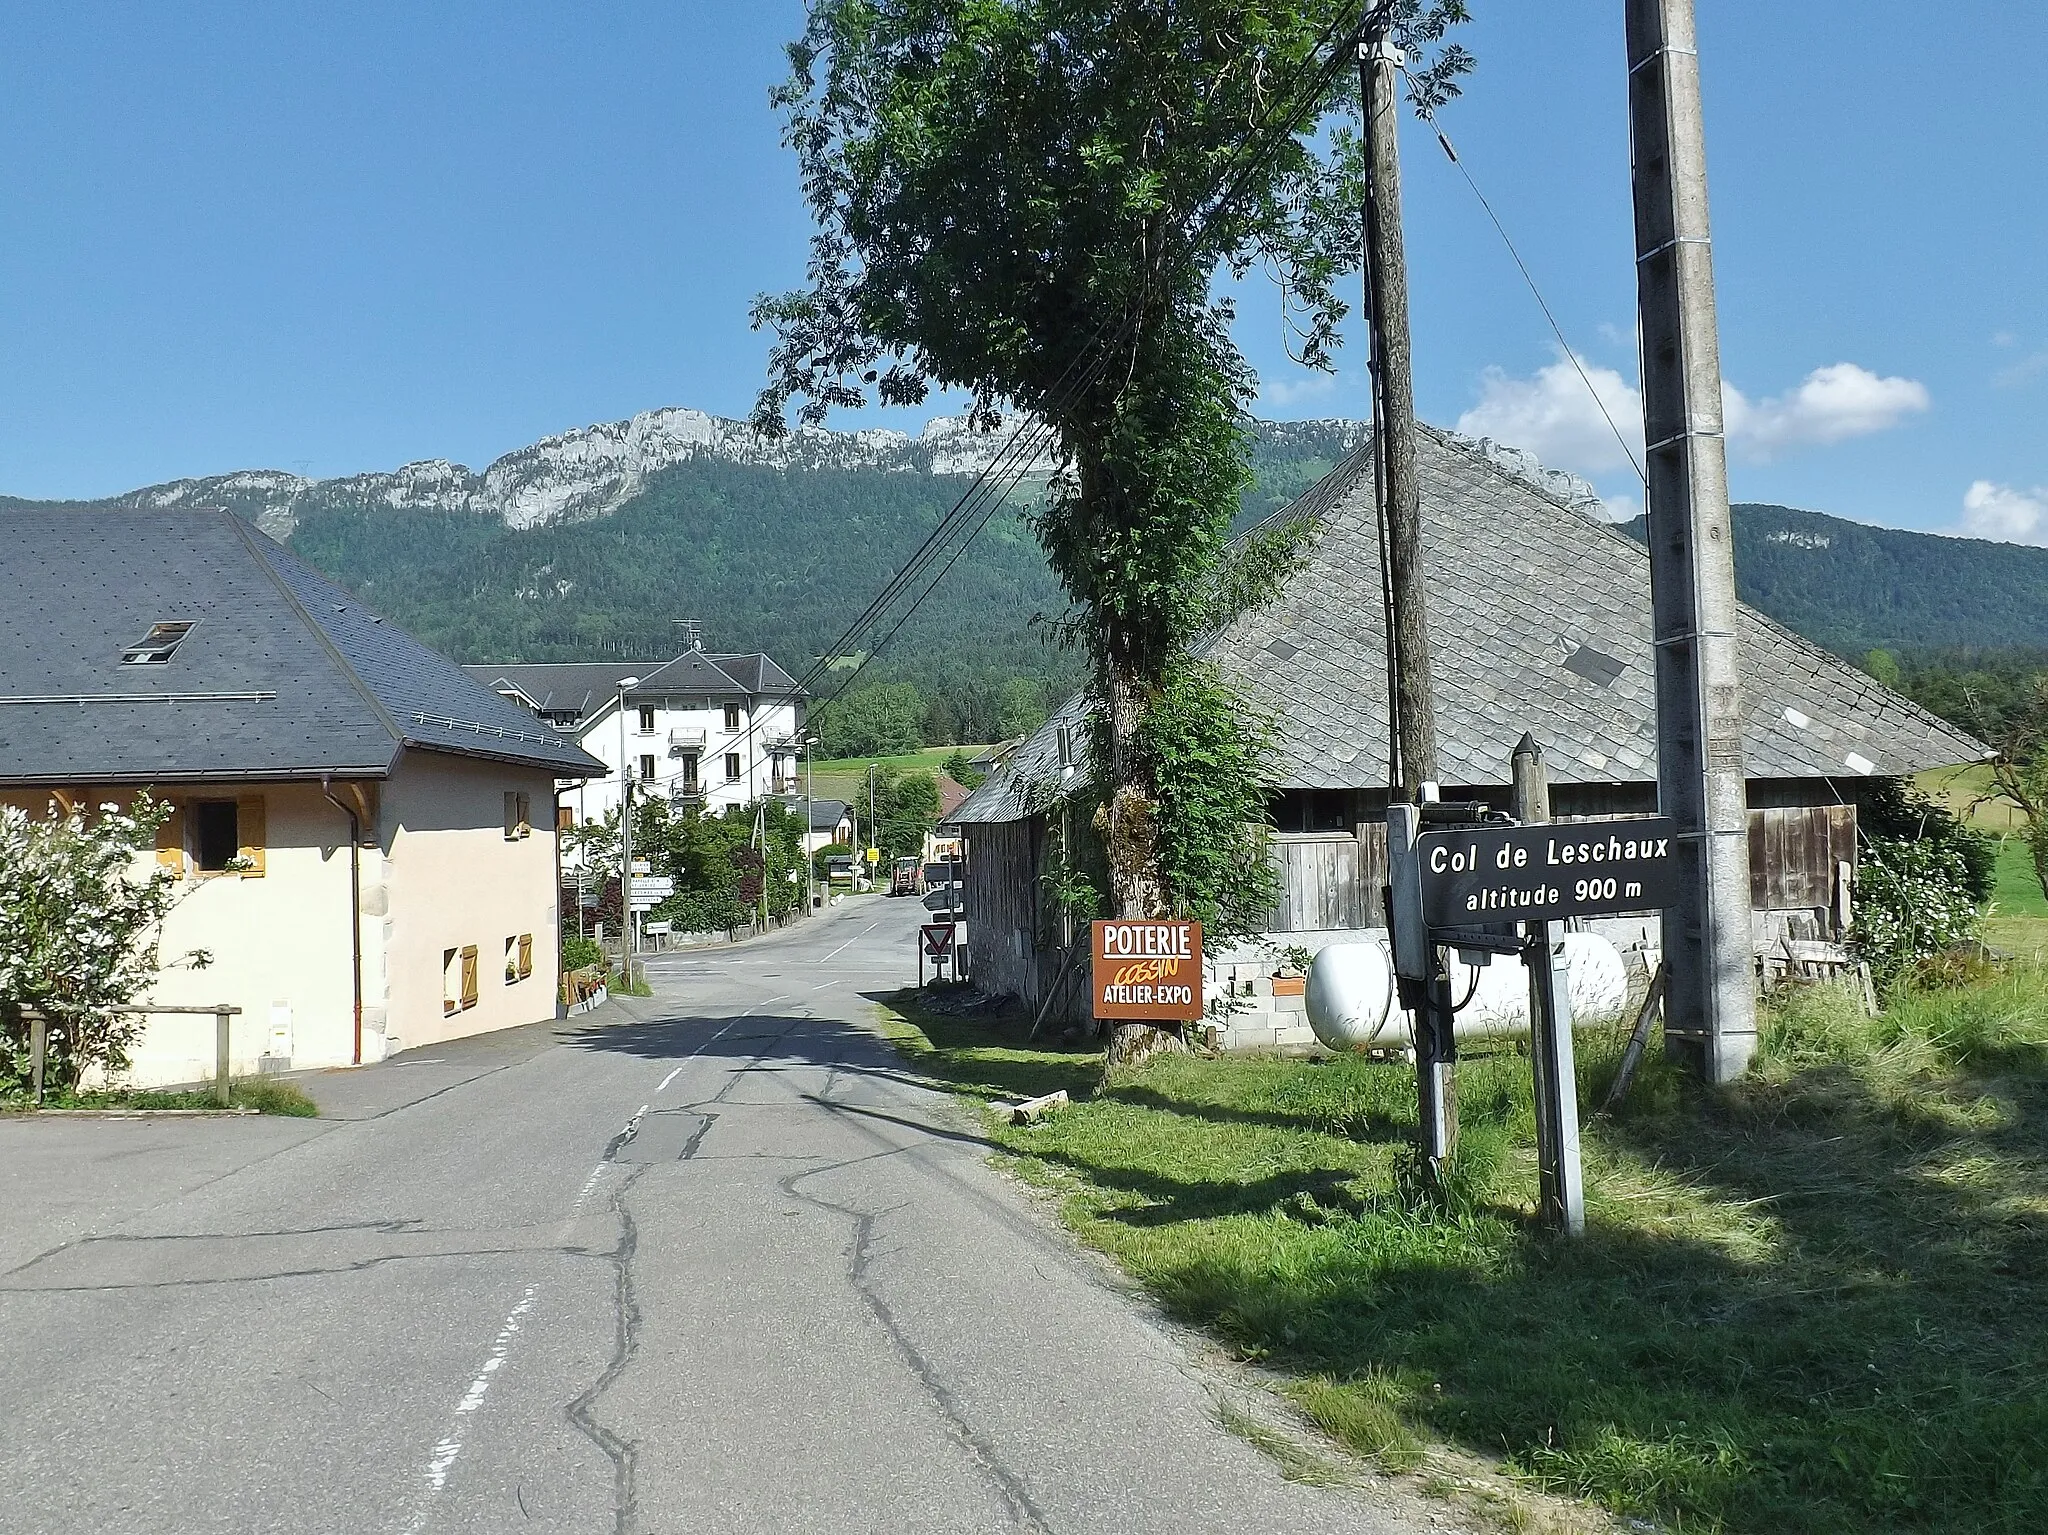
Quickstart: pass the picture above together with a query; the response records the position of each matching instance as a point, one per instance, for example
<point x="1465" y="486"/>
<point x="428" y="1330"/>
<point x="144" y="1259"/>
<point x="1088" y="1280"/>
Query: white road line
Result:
<point x="707" y="1044"/>
<point x="451" y="1444"/>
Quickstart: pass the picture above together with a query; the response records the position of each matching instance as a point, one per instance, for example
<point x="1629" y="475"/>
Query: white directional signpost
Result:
<point x="1468" y="886"/>
<point x="650" y="890"/>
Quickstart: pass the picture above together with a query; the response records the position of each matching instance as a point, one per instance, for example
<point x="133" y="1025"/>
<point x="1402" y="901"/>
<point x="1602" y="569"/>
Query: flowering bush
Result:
<point x="78" y="935"/>
<point x="1913" y="900"/>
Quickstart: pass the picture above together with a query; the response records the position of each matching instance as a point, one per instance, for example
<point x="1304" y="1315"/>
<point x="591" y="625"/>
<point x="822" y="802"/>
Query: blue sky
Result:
<point x="336" y="238"/>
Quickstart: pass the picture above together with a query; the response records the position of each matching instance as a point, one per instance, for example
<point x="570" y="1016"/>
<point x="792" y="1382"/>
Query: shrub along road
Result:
<point x="713" y="1261"/>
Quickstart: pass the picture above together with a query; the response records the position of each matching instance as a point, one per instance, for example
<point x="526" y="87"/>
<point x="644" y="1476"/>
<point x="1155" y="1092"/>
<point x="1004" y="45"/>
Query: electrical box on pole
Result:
<point x="1710" y="997"/>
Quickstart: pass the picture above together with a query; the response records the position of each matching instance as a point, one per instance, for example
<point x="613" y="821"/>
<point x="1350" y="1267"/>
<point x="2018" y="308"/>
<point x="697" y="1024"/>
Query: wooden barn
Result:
<point x="1539" y="621"/>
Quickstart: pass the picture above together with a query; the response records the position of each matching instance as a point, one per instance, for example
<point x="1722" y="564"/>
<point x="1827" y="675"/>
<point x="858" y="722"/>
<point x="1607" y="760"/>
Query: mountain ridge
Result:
<point x="591" y="471"/>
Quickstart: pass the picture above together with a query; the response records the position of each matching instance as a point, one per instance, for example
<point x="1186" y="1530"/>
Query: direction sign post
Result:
<point x="1560" y="1173"/>
<point x="1466" y="887"/>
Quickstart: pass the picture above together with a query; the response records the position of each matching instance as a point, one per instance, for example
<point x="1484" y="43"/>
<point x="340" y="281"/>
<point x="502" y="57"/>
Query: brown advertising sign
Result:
<point x="1148" y="970"/>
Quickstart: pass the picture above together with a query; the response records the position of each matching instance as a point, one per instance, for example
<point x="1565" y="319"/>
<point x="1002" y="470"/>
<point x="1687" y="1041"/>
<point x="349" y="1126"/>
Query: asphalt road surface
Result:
<point x="711" y="1262"/>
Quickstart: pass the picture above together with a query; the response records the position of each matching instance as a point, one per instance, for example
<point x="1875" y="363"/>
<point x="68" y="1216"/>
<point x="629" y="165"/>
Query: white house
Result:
<point x="703" y="730"/>
<point x="363" y="837"/>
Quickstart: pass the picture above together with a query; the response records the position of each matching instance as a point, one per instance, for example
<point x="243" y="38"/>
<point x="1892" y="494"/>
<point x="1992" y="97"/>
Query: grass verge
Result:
<point x="266" y="1095"/>
<point x="1817" y="1301"/>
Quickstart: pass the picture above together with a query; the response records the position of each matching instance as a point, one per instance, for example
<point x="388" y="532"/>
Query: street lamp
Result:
<point x="626" y="944"/>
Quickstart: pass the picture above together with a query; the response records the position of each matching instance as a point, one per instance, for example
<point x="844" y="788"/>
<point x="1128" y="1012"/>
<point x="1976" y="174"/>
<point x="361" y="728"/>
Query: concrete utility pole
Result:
<point x="1386" y="294"/>
<point x="1414" y="712"/>
<point x="1710" y="996"/>
<point x="626" y="922"/>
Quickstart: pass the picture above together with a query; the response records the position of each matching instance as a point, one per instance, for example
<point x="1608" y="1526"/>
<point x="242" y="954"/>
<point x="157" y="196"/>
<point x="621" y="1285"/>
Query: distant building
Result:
<point x="364" y="838"/>
<point x="703" y="729"/>
<point x="831" y="822"/>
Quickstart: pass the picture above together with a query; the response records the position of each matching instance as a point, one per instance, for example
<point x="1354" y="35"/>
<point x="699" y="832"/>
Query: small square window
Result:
<point x="518" y="958"/>
<point x="157" y="645"/>
<point x="518" y="816"/>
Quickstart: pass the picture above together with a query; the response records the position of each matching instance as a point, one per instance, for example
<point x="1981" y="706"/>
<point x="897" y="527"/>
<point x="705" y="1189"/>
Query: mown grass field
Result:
<point x="1815" y="1302"/>
<point x="847" y="777"/>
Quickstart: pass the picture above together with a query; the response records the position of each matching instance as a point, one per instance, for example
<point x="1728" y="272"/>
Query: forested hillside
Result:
<point x="1856" y="588"/>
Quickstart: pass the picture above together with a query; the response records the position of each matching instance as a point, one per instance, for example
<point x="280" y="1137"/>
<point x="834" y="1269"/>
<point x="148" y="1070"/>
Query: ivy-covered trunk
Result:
<point x="1129" y="832"/>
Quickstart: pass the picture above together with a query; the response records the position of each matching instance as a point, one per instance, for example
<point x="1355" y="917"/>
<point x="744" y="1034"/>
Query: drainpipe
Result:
<point x="355" y="909"/>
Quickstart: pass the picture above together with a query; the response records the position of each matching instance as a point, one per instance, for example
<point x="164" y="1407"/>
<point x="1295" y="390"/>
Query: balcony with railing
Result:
<point x="686" y="738"/>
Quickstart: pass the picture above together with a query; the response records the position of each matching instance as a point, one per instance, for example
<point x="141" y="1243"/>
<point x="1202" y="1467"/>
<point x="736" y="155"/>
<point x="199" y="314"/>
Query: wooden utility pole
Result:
<point x="1414" y="713"/>
<point x="1561" y="1184"/>
<point x="1386" y="284"/>
<point x="1709" y="997"/>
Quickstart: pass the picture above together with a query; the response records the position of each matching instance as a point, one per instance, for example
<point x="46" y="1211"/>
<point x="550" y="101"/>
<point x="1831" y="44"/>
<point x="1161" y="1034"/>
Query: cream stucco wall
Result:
<point x="278" y="943"/>
<point x="437" y="873"/>
<point x="450" y="878"/>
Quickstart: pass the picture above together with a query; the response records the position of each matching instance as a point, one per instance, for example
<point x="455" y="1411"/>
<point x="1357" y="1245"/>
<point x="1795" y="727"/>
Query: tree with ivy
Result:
<point x="1031" y="202"/>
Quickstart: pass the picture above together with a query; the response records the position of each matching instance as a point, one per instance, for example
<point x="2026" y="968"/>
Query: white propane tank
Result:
<point x="1351" y="993"/>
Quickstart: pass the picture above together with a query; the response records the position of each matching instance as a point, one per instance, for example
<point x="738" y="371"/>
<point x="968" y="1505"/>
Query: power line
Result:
<point x="1522" y="267"/>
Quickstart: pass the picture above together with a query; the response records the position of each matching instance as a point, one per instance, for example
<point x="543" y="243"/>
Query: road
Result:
<point x="710" y="1262"/>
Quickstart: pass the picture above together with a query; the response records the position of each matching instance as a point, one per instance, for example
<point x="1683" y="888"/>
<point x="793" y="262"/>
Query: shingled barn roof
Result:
<point x="1539" y="619"/>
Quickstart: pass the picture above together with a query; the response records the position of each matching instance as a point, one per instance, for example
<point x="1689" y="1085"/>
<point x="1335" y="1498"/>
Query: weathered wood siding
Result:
<point x="1794" y="855"/>
<point x="1330" y="879"/>
<point x="1013" y="943"/>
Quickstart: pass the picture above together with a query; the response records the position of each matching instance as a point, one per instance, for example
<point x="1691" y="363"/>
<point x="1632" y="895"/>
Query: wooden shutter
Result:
<point x="469" y="984"/>
<point x="525" y="955"/>
<point x="170" y="842"/>
<point x="253" y="834"/>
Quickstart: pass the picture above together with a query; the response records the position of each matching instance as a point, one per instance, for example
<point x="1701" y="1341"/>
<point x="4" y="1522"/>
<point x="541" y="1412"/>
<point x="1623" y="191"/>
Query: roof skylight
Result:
<point x="157" y="645"/>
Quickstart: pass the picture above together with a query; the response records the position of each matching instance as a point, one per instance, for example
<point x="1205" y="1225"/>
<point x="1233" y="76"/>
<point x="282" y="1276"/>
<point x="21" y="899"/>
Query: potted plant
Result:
<point x="1290" y="975"/>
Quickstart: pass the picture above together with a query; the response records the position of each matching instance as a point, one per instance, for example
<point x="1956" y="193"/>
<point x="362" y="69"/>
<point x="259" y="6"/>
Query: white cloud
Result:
<point x="1555" y="416"/>
<point x="2005" y="513"/>
<point x="1285" y="392"/>
<point x="1621" y="508"/>
<point x="1831" y="404"/>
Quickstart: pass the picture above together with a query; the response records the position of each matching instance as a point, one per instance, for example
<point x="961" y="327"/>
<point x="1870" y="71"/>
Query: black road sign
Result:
<point x="1538" y="873"/>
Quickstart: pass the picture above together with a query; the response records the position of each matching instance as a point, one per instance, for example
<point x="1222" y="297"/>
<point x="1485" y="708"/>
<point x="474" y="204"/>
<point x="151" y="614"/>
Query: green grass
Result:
<point x="266" y="1095"/>
<point x="1817" y="1301"/>
<point x="1969" y="792"/>
<point x="2016" y="891"/>
<point x="847" y="777"/>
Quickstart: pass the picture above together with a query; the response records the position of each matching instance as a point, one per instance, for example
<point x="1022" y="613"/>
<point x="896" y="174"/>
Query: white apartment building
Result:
<point x="702" y="729"/>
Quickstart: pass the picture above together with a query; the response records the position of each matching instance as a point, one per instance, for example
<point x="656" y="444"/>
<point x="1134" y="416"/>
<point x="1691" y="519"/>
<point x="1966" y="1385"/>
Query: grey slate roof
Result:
<point x="284" y="674"/>
<point x="586" y="687"/>
<point x="1539" y="620"/>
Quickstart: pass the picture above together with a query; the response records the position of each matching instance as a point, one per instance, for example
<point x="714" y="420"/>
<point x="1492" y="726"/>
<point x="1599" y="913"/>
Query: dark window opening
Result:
<point x="732" y="767"/>
<point x="690" y="769"/>
<point x="732" y="716"/>
<point x="646" y="767"/>
<point x="157" y="645"/>
<point x="647" y="719"/>
<point x="216" y="834"/>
